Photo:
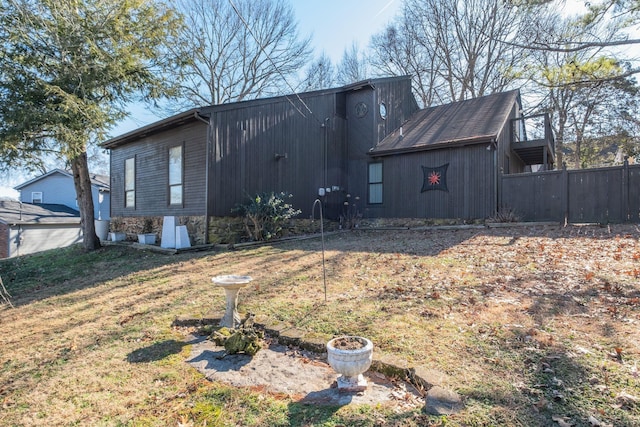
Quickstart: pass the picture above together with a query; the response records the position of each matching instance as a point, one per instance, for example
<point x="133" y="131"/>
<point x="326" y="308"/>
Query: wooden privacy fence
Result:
<point x="603" y="195"/>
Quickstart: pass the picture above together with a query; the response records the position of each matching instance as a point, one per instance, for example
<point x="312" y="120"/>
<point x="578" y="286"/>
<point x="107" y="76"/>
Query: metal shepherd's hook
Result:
<point x="324" y="272"/>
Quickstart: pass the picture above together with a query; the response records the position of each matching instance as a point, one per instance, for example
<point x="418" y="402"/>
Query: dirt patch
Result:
<point x="305" y="377"/>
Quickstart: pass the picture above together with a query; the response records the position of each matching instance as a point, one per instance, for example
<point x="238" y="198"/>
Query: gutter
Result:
<point x="150" y="129"/>
<point x="435" y="146"/>
<point x="21" y="223"/>
<point x="197" y="115"/>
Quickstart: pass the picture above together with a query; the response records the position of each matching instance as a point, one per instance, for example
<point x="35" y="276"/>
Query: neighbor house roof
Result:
<point x="99" y="181"/>
<point x="12" y="212"/>
<point x="472" y="121"/>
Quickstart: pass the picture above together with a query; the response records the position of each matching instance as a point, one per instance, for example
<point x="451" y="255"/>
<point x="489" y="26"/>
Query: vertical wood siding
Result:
<point x="250" y="137"/>
<point x="590" y="195"/>
<point x="470" y="182"/>
<point x="326" y="147"/>
<point x="633" y="193"/>
<point x="535" y="196"/>
<point x="587" y="186"/>
<point x="365" y="132"/>
<point x="152" y="173"/>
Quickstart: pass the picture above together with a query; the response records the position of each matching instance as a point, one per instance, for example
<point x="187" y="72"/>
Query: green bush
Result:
<point x="265" y="214"/>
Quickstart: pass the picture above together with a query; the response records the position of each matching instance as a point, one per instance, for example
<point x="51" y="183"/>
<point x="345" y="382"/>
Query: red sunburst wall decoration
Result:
<point x="435" y="178"/>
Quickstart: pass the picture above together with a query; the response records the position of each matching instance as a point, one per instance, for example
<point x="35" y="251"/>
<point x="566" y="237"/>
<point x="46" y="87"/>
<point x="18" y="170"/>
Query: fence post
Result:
<point x="626" y="216"/>
<point x="564" y="182"/>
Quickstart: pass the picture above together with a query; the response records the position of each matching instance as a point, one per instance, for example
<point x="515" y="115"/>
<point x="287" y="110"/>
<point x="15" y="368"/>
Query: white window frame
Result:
<point x="375" y="183"/>
<point x="130" y="183"/>
<point x="36" y="197"/>
<point x="176" y="175"/>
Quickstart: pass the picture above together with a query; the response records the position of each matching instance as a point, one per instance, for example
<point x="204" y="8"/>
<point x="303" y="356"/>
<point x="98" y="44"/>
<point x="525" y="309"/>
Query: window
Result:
<point x="36" y="197"/>
<point x="130" y="183"/>
<point x="375" y="183"/>
<point x="383" y="111"/>
<point x="175" y="175"/>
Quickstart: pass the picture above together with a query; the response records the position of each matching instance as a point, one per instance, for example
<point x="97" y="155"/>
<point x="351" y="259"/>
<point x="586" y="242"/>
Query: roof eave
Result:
<point x="17" y="223"/>
<point x="428" y="147"/>
<point x="168" y="123"/>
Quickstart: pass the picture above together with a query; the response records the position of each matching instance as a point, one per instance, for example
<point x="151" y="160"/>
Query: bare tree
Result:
<point x="232" y="50"/>
<point x="581" y="89"/>
<point x="604" y="25"/>
<point x="467" y="39"/>
<point x="353" y="67"/>
<point x="396" y="52"/>
<point x="455" y="49"/>
<point x="320" y="74"/>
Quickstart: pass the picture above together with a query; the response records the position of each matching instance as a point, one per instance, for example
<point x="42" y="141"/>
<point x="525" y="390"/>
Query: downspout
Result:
<point x="324" y="125"/>
<point x="496" y="177"/>
<point x="206" y="174"/>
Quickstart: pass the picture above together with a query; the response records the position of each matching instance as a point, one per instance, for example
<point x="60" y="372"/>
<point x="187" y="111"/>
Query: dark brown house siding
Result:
<point x="151" y="155"/>
<point x="296" y="144"/>
<point x="276" y="146"/>
<point x="365" y="131"/>
<point x="299" y="144"/>
<point x="470" y="183"/>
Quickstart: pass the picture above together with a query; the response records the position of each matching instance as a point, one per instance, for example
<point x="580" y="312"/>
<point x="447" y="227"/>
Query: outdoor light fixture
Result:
<point x="281" y="156"/>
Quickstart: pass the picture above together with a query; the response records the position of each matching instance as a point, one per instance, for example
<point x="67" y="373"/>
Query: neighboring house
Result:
<point x="367" y="140"/>
<point x="27" y="228"/>
<point x="56" y="187"/>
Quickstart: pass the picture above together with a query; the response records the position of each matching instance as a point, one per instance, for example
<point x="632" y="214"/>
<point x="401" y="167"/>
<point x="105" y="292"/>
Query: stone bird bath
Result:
<point x="231" y="285"/>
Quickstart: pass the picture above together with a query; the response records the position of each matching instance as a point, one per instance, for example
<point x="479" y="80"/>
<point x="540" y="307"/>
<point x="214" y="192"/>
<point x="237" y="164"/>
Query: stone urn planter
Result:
<point x="350" y="356"/>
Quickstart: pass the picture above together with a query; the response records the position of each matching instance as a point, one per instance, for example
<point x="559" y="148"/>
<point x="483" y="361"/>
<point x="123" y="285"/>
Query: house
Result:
<point x="27" y="228"/>
<point x="368" y="140"/>
<point x="56" y="187"/>
<point x="444" y="162"/>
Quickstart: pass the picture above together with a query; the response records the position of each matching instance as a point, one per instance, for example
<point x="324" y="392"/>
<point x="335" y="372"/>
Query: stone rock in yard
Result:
<point x="441" y="401"/>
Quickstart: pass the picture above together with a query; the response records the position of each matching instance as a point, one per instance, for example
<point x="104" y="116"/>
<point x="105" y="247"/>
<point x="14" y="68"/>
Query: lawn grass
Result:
<point x="532" y="326"/>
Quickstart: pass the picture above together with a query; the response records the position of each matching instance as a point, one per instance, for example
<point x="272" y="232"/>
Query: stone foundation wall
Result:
<point x="224" y="230"/>
<point x="412" y="222"/>
<point x="133" y="226"/>
<point x="228" y="230"/>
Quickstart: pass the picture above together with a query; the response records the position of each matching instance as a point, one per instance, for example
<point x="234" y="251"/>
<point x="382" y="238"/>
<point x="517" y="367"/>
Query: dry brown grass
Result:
<point x="528" y="324"/>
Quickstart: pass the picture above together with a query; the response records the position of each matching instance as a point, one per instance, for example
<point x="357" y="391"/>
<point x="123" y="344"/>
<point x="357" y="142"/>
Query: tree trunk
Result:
<point x="82" y="182"/>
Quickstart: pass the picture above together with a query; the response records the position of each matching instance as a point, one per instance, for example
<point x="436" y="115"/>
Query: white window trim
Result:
<point x="376" y="183"/>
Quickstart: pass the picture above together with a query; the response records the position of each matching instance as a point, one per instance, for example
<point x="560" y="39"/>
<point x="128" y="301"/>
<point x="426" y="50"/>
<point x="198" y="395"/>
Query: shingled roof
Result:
<point x="101" y="182"/>
<point x="12" y="212"/>
<point x="472" y="121"/>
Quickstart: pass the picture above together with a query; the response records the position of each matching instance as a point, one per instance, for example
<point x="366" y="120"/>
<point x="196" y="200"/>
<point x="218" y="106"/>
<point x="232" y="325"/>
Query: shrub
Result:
<point x="505" y="214"/>
<point x="350" y="216"/>
<point x="265" y="214"/>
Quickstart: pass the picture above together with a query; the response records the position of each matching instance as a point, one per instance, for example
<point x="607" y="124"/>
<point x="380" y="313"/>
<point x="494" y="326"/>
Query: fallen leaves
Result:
<point x="594" y="422"/>
<point x="562" y="421"/>
<point x="567" y="422"/>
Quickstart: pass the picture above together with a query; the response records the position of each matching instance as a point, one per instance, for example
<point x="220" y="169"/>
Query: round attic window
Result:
<point x="383" y="110"/>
